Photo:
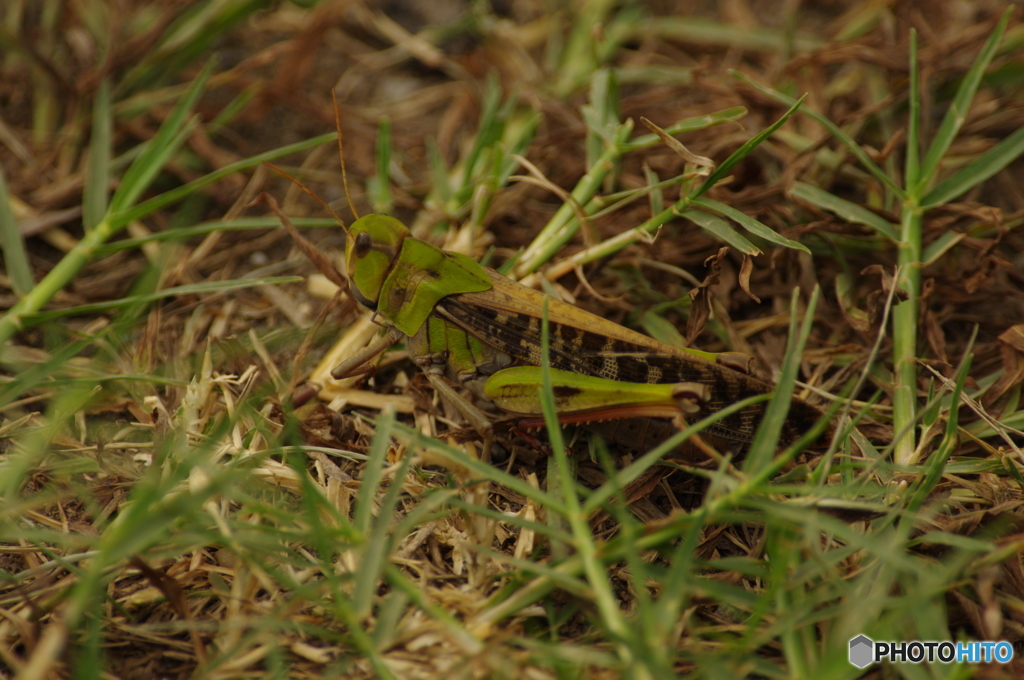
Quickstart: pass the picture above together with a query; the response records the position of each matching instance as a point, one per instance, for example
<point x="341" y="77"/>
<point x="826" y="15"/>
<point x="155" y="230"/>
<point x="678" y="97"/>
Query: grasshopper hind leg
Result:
<point x="645" y="434"/>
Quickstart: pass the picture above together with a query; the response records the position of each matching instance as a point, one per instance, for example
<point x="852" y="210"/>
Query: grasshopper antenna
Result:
<point x="308" y="193"/>
<point x="341" y="154"/>
<point x="319" y="260"/>
<point x="344" y="174"/>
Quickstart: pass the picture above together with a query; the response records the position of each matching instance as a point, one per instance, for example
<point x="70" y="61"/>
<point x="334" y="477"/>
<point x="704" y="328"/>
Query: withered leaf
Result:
<point x="745" y="269"/>
<point x="700" y="310"/>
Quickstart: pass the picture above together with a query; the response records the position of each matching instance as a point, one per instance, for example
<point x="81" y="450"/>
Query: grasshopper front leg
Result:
<point x="359" y="362"/>
<point x="442" y="349"/>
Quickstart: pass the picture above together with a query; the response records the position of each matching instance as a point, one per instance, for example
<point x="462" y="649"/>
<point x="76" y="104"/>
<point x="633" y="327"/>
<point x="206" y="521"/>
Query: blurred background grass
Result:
<point x="165" y="513"/>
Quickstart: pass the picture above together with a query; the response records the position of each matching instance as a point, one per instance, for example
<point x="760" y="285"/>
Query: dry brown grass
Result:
<point x="155" y="508"/>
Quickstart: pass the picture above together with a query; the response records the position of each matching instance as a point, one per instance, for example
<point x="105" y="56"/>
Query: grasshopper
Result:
<point x="483" y="331"/>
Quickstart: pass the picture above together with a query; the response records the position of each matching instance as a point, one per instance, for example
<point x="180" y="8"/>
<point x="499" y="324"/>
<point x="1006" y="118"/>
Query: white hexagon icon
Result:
<point x="862" y="651"/>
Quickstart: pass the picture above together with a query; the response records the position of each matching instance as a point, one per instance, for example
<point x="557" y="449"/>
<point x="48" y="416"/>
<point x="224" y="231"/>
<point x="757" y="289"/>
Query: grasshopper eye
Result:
<point x="363" y="245"/>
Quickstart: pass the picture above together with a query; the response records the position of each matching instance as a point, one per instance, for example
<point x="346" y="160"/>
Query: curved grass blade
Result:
<point x="850" y="212"/>
<point x="721" y="229"/>
<point x="765" y="443"/>
<point x="977" y="171"/>
<point x="739" y="154"/>
<point x="750" y="224"/>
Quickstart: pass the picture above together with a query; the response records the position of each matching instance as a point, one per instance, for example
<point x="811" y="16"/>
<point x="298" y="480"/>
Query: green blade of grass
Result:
<point x="745" y="150"/>
<point x="601" y="114"/>
<point x="378" y="537"/>
<point x="632" y="472"/>
<point x="491" y="127"/>
<point x="378" y="187"/>
<point x="178" y="193"/>
<point x="845" y="209"/>
<point x="834" y="130"/>
<point x="562" y="226"/>
<point x="205" y="228"/>
<point x="936" y="464"/>
<point x="912" y="165"/>
<point x="709" y="31"/>
<point x="97" y="177"/>
<point x="721" y="229"/>
<point x="135" y="181"/>
<point x="13" y="245"/>
<point x="583" y="539"/>
<point x="762" y="449"/>
<point x="178" y="291"/>
<point x="159" y="150"/>
<point x="750" y="224"/>
<point x="977" y="171"/>
<point x="956" y="114"/>
<point x="478" y="468"/>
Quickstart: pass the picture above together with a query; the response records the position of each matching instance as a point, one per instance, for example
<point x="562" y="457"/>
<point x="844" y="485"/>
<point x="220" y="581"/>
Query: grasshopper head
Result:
<point x="372" y="246"/>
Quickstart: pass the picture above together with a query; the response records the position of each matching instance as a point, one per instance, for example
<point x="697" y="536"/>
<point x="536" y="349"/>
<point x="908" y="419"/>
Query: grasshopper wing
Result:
<point x="509" y="317"/>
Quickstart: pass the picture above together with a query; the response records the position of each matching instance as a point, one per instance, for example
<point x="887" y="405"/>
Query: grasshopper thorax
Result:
<point x="373" y="245"/>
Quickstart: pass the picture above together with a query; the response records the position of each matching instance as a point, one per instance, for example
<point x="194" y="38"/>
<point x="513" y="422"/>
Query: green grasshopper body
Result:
<point x="476" y="325"/>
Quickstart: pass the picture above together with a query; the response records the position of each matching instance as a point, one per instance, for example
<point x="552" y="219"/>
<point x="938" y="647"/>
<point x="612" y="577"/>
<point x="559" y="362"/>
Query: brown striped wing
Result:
<point x="509" y="315"/>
